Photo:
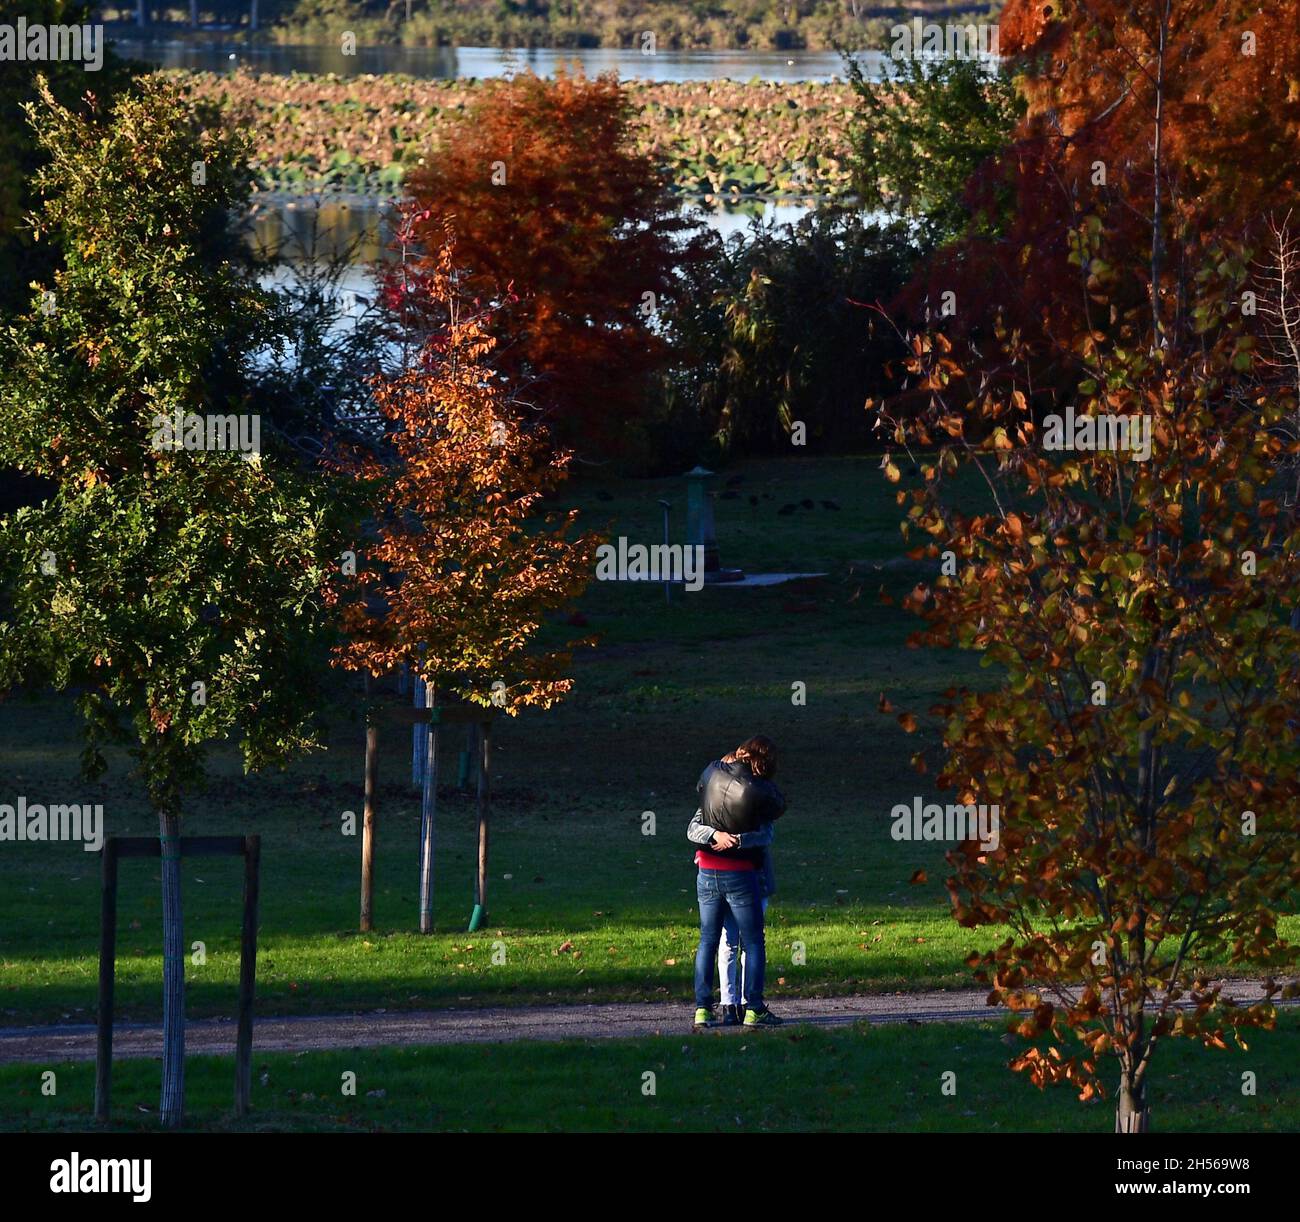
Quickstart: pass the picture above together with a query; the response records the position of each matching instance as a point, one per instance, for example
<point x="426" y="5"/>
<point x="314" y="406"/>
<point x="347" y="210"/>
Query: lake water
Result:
<point x="451" y="63"/>
<point x="294" y="227"/>
<point x="300" y="231"/>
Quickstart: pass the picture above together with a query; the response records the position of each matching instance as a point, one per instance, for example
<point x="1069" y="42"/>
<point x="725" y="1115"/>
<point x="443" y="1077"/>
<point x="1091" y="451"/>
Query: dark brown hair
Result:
<point x="758" y="752"/>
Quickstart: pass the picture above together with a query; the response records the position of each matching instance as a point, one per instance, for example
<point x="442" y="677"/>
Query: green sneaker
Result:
<point x="761" y="1018"/>
<point x="704" y="1017"/>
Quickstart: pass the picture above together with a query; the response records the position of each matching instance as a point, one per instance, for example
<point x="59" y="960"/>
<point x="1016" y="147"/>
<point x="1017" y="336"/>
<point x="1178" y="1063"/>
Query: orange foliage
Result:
<point x="567" y="231"/>
<point x="1136" y="602"/>
<point x="1227" y="78"/>
<point x="466" y="564"/>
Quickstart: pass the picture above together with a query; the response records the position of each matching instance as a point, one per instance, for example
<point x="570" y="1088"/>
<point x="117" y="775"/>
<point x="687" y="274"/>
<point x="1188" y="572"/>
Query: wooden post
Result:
<point x="107" y="956"/>
<point x="247" y="976"/>
<point x="484" y="785"/>
<point x="368" y="820"/>
<point x="170" y="849"/>
<point x="428" y="809"/>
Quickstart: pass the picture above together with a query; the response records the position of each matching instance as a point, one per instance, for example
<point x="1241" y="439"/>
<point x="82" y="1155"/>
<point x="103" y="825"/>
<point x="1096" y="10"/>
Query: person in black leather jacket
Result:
<point x="733" y="827"/>
<point x="736" y="798"/>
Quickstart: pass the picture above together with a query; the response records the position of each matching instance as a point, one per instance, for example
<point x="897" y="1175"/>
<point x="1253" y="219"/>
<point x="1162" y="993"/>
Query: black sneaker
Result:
<point x="761" y="1018"/>
<point x="730" y="1016"/>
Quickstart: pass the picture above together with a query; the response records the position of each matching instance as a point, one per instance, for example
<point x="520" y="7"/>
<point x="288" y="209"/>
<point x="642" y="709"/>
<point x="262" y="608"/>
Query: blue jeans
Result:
<point x="736" y="894"/>
<point x="731" y="958"/>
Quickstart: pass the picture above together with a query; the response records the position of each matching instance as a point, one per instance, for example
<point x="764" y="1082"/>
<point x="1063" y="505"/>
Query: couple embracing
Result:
<point x="733" y="831"/>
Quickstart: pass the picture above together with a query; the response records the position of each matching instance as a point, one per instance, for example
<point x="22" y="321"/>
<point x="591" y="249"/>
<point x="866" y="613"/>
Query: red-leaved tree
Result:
<point x="568" y="232"/>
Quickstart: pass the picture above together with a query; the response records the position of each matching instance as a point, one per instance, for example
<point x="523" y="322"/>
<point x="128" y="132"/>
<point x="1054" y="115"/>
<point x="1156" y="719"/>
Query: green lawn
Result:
<point x="863" y="1078"/>
<point x="667" y="690"/>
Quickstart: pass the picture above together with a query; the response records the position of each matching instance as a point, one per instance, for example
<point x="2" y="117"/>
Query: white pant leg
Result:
<point x="728" y="968"/>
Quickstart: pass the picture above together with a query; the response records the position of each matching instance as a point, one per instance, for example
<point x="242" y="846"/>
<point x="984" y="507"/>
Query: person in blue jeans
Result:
<point x="735" y="878"/>
<point x="732" y="949"/>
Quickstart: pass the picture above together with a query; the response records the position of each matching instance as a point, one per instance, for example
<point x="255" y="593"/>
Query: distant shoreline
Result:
<point x="774" y="26"/>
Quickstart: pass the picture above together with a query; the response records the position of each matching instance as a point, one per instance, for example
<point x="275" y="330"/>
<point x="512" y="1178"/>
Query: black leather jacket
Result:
<point x="733" y="799"/>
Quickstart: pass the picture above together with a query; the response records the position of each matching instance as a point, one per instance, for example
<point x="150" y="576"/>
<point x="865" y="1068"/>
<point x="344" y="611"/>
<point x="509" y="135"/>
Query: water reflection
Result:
<point x="300" y="230"/>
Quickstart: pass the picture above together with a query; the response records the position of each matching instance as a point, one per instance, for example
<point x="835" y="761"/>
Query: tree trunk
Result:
<point x="368" y="819"/>
<point x="428" y="810"/>
<point x="172" y="1107"/>
<point x="1131" y="1112"/>
<point x="419" y="735"/>
<point x="484" y="797"/>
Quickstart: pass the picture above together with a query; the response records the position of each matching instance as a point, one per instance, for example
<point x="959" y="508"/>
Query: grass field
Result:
<point x="854" y="1079"/>
<point x="584" y="903"/>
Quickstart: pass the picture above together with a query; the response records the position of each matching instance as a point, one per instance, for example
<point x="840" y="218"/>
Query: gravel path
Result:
<point x="378" y="1028"/>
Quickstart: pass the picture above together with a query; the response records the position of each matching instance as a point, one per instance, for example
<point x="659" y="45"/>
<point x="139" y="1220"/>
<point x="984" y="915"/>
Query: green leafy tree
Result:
<point x="773" y="331"/>
<point x="922" y="133"/>
<point x="183" y="593"/>
<point x="21" y="259"/>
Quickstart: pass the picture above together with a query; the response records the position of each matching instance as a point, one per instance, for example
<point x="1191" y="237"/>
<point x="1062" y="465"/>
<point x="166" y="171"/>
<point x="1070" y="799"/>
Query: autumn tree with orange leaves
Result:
<point x="1130" y="577"/>
<point x="467" y="560"/>
<point x="1185" y="113"/>
<point x="569" y="233"/>
<point x="1140" y="743"/>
